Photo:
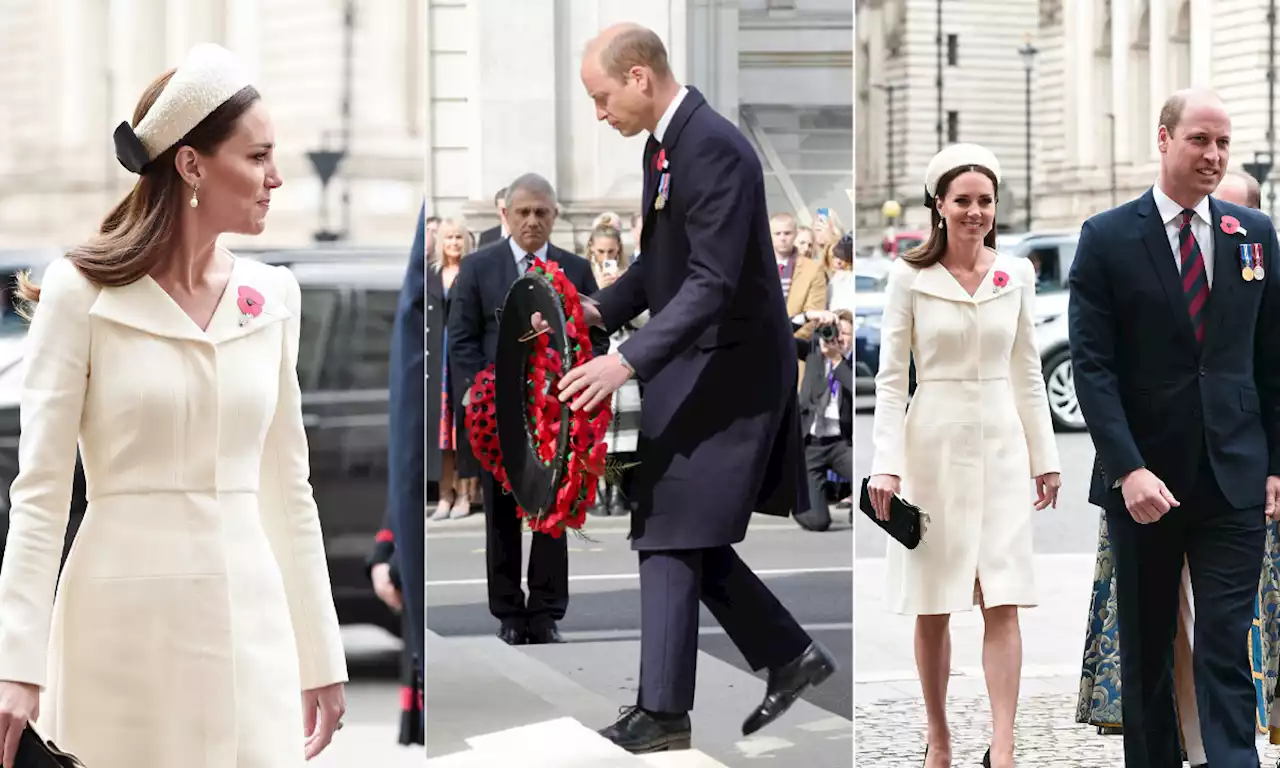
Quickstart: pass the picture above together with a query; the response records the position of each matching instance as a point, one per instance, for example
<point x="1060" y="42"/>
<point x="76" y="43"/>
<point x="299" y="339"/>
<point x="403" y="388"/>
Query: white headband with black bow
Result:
<point x="208" y="77"/>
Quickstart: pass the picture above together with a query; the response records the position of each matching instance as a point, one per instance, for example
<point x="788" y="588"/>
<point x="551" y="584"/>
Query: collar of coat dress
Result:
<point x="937" y="281"/>
<point x="146" y="306"/>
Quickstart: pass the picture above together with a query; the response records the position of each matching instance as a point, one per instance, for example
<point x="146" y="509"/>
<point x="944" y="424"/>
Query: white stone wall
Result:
<point x="504" y="96"/>
<point x="73" y="69"/>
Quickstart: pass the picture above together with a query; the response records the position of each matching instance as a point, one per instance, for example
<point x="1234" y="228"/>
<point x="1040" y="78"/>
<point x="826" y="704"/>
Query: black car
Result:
<point x="348" y="309"/>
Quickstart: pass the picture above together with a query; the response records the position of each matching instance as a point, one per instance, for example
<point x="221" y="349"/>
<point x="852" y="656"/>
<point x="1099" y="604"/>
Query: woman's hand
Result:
<point x="19" y="702"/>
<point x="608" y="279"/>
<point x="322" y="711"/>
<point x="384" y="588"/>
<point x="882" y="489"/>
<point x="1047" y="486"/>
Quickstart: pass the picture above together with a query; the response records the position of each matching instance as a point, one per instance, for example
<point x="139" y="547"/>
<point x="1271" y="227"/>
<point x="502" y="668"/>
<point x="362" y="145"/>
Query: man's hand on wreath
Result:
<point x="590" y="314"/>
<point x="593" y="381"/>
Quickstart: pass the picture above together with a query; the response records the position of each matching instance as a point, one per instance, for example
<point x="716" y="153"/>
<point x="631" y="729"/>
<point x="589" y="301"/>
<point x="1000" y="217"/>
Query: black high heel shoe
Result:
<point x="986" y="759"/>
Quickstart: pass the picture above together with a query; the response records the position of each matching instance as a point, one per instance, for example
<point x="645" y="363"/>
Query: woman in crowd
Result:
<point x="458" y="477"/>
<point x="976" y="438"/>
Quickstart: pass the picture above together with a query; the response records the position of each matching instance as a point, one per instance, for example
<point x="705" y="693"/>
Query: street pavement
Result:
<point x="890" y="723"/>
<point x="372" y="723"/>
<point x="476" y="685"/>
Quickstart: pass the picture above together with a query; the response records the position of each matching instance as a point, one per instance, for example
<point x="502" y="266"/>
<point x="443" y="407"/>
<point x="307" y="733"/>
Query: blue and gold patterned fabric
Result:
<point x="1099" y="701"/>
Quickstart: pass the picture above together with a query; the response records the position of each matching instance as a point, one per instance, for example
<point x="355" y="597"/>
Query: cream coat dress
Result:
<point x="977" y="431"/>
<point x="195" y="606"/>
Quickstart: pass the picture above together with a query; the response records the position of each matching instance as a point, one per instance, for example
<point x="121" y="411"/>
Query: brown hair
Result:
<point x="931" y="252"/>
<point x="845" y="315"/>
<point x="609" y="232"/>
<point x="136" y="235"/>
<point x="635" y="47"/>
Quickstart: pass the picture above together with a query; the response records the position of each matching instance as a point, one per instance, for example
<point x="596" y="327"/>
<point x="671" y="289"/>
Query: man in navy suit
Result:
<point x="719" y="426"/>
<point x="406" y="486"/>
<point x="1175" y="345"/>
<point x="477" y="294"/>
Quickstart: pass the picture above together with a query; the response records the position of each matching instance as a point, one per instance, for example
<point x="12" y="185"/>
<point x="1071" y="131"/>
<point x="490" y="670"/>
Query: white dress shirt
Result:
<point x="661" y="130"/>
<point x="1201" y="227"/>
<point x="520" y="254"/>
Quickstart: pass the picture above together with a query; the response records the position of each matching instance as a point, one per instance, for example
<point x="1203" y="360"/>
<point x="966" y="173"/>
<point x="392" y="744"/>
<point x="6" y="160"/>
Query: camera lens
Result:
<point x="827" y="332"/>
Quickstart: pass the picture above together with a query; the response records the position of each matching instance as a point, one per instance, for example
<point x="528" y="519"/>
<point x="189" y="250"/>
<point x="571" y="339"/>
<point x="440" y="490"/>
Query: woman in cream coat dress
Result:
<point x="194" y="623"/>
<point x="976" y="434"/>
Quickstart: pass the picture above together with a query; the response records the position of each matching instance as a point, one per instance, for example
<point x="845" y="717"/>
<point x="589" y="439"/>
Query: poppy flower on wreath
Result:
<point x="1000" y="278"/>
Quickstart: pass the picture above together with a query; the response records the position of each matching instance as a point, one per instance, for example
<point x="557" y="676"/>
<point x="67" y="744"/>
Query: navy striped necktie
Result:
<point x="1195" y="281"/>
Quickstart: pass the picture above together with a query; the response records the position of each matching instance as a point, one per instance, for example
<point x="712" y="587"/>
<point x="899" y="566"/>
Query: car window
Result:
<point x="867" y="283"/>
<point x="369" y="352"/>
<point x="319" y="309"/>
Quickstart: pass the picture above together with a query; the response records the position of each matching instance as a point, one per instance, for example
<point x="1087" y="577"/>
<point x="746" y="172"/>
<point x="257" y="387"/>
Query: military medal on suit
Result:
<point x="1251" y="262"/>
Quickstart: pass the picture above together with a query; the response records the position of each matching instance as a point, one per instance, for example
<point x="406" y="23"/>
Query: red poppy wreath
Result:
<point x="584" y="462"/>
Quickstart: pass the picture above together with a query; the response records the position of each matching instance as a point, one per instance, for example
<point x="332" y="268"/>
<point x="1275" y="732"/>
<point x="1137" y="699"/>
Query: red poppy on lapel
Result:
<point x="1001" y="279"/>
<point x="660" y="160"/>
<point x="250" y="303"/>
<point x="1231" y="225"/>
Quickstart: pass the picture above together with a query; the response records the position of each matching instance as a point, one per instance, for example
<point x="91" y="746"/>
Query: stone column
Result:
<point x="1159" y="63"/>
<point x="711" y="45"/>
<point x="1081" y="32"/>
<point x="1202" y="42"/>
<point x="1120" y="37"/>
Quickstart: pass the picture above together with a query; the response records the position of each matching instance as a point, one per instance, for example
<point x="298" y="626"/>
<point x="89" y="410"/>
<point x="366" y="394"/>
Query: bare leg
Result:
<point x="933" y="662"/>
<point x="1002" y="664"/>
<point x="448" y="483"/>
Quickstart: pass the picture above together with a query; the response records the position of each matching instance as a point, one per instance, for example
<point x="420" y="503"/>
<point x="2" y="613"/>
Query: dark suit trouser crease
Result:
<point x="1223" y="548"/>
<point x="821" y="454"/>
<point x="672" y="583"/>
<point x="548" y="564"/>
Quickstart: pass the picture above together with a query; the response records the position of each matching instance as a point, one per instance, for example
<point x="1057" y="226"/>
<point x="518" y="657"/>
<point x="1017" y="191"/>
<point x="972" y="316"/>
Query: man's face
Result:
<point x="530" y="217"/>
<point x="432" y="226"/>
<point x="1233" y="189"/>
<point x="784" y="236"/>
<point x="625" y="103"/>
<point x="1194" y="156"/>
<point x="846" y="337"/>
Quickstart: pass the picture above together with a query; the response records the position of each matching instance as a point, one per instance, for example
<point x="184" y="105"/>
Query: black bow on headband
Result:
<point x="129" y="149"/>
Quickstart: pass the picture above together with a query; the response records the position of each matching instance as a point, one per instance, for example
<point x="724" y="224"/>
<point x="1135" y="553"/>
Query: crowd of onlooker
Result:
<point x="815" y="266"/>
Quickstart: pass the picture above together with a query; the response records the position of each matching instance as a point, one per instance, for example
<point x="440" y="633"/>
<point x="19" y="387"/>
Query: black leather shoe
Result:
<point x="639" y="732"/>
<point x="787" y="683"/>
<point x="986" y="759"/>
<point x="512" y="633"/>
<point x="544" y="634"/>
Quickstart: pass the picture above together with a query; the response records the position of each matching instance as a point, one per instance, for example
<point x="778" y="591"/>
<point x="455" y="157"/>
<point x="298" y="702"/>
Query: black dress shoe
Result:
<point x="543" y="635"/>
<point x="638" y="732"/>
<point x="787" y="683"/>
<point x="986" y="759"/>
<point x="512" y="633"/>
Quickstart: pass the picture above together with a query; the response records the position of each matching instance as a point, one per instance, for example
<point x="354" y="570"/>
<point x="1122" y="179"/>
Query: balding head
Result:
<point x="621" y="47"/>
<point x="1241" y="189"/>
<point x="1177" y="104"/>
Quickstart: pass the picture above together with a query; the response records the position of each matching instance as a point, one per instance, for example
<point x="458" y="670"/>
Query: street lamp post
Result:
<point x="888" y="90"/>
<point x="1028" y="53"/>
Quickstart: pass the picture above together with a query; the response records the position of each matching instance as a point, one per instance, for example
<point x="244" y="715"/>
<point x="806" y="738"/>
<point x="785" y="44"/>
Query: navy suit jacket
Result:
<point x="406" y="492"/>
<point x="719" y="425"/>
<point x="1150" y="395"/>
<point x="478" y="292"/>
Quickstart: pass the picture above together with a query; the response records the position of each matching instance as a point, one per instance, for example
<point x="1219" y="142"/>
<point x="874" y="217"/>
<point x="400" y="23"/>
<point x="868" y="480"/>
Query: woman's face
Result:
<point x="969" y="207"/>
<point x="604" y="248"/>
<point x="452" y="242"/>
<point x="804" y="241"/>
<point x="236" y="181"/>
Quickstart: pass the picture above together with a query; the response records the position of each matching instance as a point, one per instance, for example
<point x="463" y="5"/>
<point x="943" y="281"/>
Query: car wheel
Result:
<point x="1059" y="384"/>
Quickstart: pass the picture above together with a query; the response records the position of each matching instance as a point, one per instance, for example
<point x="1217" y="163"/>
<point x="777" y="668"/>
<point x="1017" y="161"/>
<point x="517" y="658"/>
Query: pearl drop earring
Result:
<point x="195" y="202"/>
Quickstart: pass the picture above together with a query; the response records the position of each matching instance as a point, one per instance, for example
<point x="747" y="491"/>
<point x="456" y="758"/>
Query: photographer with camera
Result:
<point x="826" y="408"/>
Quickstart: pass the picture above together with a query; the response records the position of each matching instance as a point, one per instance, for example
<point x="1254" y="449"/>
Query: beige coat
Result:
<point x="195" y="605"/>
<point x="977" y="432"/>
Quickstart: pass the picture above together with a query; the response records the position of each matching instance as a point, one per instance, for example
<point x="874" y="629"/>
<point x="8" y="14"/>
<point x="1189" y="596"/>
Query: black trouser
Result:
<point x="671" y="584"/>
<point x="1223" y="547"/>
<point x="548" y="564"/>
<point x="821" y="454"/>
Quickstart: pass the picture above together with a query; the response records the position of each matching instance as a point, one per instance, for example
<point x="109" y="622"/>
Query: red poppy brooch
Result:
<point x="250" y="303"/>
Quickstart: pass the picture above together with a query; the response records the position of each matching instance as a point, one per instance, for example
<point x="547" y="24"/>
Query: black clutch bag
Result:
<point x="35" y="752"/>
<point x="905" y="521"/>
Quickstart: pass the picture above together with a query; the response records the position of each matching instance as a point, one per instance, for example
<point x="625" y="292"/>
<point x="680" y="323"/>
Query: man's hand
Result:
<point x="384" y="588"/>
<point x="1146" y="496"/>
<point x="593" y="381"/>
<point x="1047" y="486"/>
<point x="1273" y="497"/>
<point x="590" y="313"/>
